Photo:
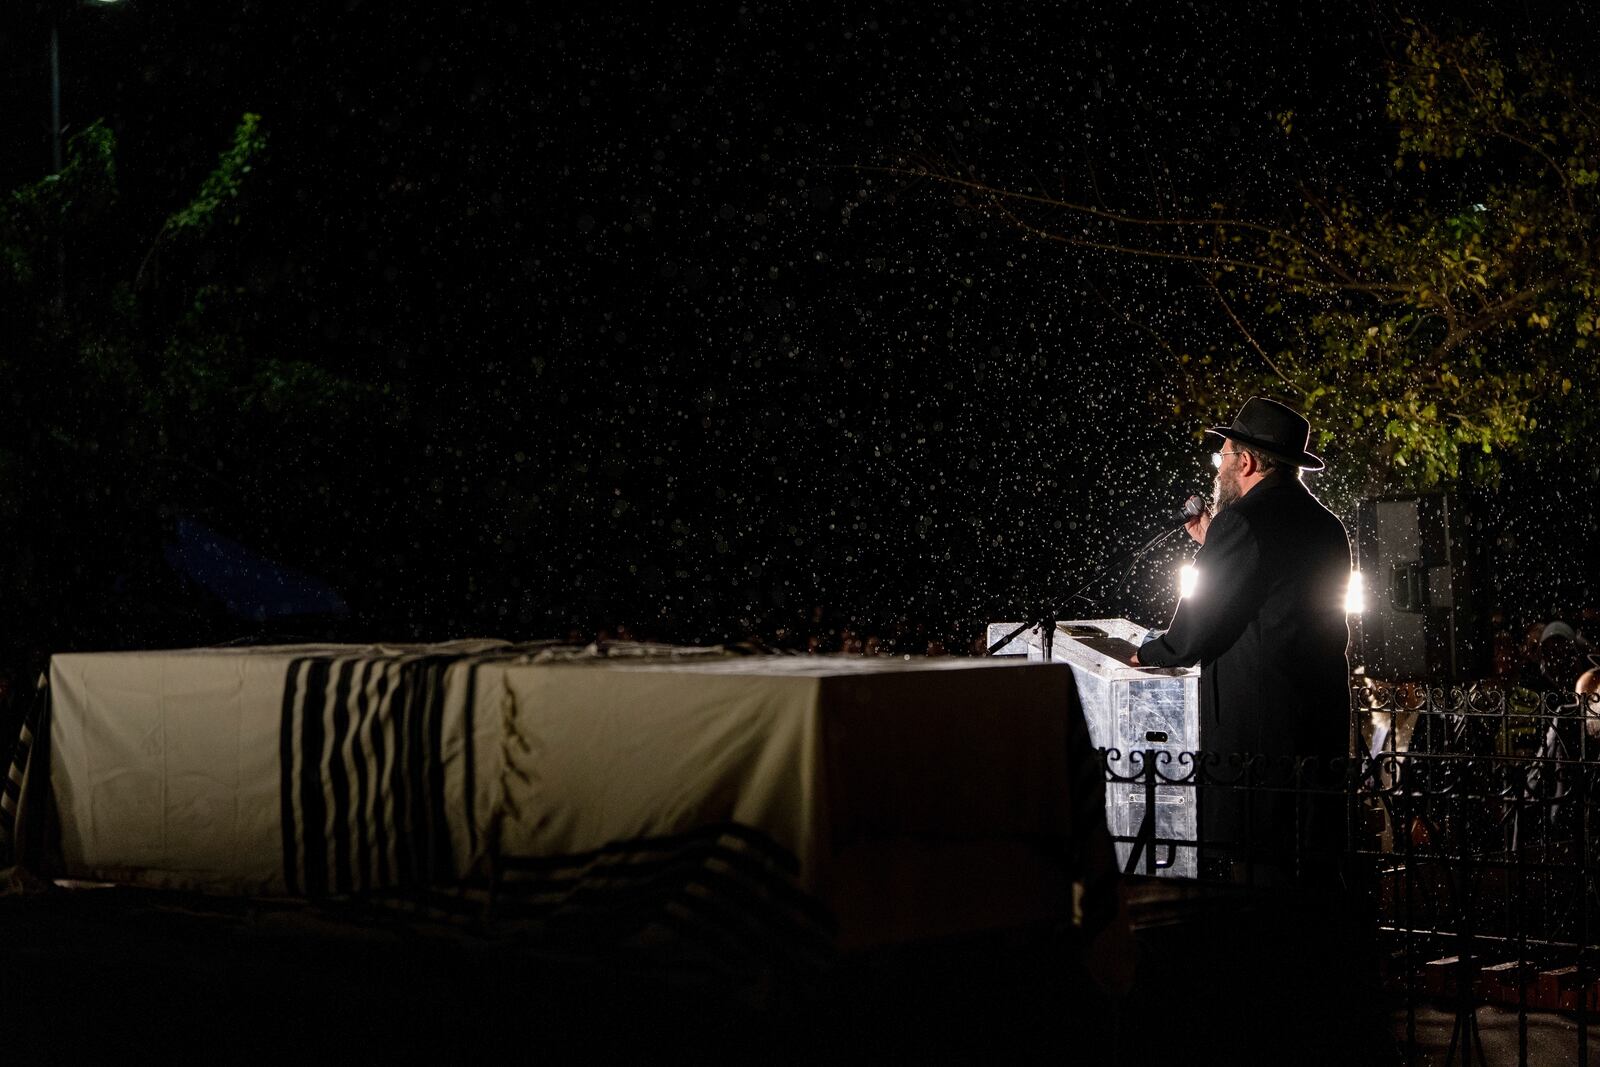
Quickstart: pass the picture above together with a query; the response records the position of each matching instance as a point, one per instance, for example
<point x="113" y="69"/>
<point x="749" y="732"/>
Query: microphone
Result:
<point x="1194" y="506"/>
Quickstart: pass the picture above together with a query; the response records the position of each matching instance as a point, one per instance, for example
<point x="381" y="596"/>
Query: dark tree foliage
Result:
<point x="133" y="392"/>
<point x="642" y="331"/>
<point x="1433" y="325"/>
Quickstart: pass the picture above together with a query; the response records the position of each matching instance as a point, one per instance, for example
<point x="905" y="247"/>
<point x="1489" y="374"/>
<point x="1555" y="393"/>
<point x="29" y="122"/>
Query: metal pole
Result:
<point x="55" y="152"/>
<point x="55" y="92"/>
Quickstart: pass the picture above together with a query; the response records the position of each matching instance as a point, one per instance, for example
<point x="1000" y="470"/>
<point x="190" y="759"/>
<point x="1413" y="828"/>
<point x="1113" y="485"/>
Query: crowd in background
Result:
<point x="823" y="631"/>
<point x="1547" y="653"/>
<point x="1550" y="653"/>
<point x="1555" y="653"/>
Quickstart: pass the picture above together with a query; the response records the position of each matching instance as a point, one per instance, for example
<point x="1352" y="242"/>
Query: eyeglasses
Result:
<point x="1216" y="457"/>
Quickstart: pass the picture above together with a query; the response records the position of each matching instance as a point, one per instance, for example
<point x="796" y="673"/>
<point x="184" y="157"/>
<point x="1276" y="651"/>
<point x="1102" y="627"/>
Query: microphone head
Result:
<point x="1193" y="506"/>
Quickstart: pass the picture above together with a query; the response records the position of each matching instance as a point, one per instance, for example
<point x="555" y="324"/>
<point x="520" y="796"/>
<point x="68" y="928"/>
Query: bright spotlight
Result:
<point x="1355" y="600"/>
<point x="1188" y="579"/>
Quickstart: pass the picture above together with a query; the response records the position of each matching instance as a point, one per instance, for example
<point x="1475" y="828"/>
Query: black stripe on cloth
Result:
<point x="32" y="744"/>
<point x="313" y="798"/>
<point x="725" y="888"/>
<point x="288" y="738"/>
<point x="441" y="860"/>
<point x="401" y="782"/>
<point x="364" y="796"/>
<point x="361" y="749"/>
<point x="382" y="800"/>
<point x="11" y="788"/>
<point x="622" y="873"/>
<point x="11" y="796"/>
<point x="747" y="838"/>
<point x="469" y="786"/>
<point x="339" y="775"/>
<point x="420" y="778"/>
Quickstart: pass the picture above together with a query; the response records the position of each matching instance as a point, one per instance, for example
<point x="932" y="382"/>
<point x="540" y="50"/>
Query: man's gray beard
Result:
<point x="1223" y="493"/>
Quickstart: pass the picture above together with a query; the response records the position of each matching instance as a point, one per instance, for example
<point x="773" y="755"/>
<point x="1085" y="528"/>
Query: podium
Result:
<point x="1132" y="710"/>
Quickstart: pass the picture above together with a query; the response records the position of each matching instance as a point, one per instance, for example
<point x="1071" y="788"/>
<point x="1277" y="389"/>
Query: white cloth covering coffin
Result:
<point x="919" y="797"/>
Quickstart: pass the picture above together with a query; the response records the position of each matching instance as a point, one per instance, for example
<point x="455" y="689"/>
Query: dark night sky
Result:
<point x="655" y="339"/>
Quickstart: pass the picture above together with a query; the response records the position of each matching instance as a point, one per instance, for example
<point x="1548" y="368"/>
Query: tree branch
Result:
<point x="1345" y="281"/>
<point x="1248" y="336"/>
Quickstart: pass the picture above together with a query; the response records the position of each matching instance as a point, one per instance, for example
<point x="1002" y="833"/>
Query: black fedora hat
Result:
<point x="1280" y="432"/>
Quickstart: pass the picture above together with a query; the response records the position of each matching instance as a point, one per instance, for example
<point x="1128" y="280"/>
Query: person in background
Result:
<point x="1552" y="813"/>
<point x="1560" y="658"/>
<point x="1587" y="689"/>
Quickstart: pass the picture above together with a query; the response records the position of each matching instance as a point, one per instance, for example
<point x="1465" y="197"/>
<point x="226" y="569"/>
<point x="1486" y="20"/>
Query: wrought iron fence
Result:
<point x="1466" y="821"/>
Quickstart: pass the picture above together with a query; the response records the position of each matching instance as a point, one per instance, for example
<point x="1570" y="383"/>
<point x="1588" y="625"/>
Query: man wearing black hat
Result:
<point x="1266" y="623"/>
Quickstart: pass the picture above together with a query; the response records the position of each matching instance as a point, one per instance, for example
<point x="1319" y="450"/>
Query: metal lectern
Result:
<point x="1143" y="713"/>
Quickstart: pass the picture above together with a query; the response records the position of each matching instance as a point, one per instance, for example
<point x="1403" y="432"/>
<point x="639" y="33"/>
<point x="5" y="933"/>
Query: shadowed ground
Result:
<point x="110" y="972"/>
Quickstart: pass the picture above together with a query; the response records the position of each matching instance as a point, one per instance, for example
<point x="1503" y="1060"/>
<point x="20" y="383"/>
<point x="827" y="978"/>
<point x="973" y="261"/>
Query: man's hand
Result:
<point x="1198" y="526"/>
<point x="1133" y="660"/>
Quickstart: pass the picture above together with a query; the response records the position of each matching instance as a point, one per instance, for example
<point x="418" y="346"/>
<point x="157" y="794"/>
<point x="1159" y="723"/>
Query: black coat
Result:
<point x="1266" y="624"/>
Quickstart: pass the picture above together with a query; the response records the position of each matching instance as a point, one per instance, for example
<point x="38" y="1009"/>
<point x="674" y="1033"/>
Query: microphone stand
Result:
<point x="1047" y="624"/>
